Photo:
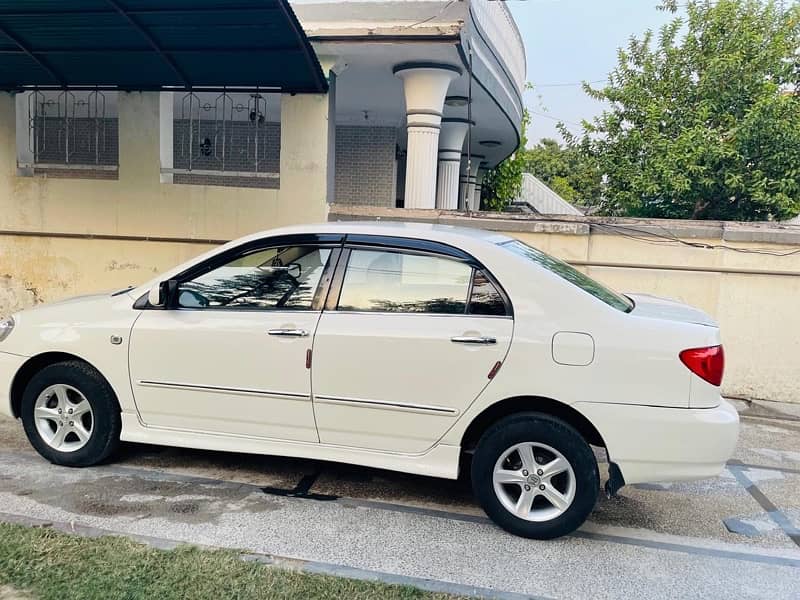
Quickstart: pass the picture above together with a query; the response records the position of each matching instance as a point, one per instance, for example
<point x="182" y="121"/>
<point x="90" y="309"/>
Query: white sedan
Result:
<point x="425" y="349"/>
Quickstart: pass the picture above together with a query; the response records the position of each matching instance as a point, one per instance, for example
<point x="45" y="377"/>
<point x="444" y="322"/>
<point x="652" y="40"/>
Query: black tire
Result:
<point x="542" y="429"/>
<point x="106" y="420"/>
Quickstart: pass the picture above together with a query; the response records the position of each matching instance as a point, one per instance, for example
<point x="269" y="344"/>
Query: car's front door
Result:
<point x="411" y="341"/>
<point x="231" y="357"/>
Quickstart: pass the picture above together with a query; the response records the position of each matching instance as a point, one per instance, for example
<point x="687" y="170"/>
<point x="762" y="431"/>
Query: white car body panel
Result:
<point x="220" y="371"/>
<point x="80" y="327"/>
<point x="440" y="461"/>
<point x="670" y="310"/>
<point x="404" y="383"/>
<point x="651" y="444"/>
<point x="658" y="420"/>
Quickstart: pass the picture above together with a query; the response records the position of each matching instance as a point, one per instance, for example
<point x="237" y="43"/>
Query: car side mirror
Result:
<point x="164" y="294"/>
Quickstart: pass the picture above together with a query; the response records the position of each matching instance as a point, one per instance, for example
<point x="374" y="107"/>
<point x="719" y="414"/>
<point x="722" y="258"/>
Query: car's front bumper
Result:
<point x="9" y="365"/>
<point x="651" y="444"/>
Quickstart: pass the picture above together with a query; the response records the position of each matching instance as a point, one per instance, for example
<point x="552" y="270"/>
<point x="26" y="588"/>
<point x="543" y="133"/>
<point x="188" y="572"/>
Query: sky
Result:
<point x="569" y="41"/>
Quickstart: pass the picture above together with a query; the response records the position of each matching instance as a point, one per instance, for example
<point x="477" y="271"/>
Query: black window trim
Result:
<point x="411" y="244"/>
<point x="497" y="288"/>
<point x="329" y="288"/>
<point x="417" y="247"/>
<point x="469" y="290"/>
<point x="325" y="240"/>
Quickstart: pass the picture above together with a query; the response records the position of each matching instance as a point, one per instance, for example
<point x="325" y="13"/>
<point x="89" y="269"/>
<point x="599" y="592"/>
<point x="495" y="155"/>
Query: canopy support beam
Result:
<point x="38" y="60"/>
<point x="153" y="44"/>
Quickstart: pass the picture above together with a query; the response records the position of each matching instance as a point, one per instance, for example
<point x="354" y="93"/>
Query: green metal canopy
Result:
<point x="156" y="45"/>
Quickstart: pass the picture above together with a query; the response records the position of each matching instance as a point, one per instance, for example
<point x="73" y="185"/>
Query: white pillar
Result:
<point x="425" y="87"/>
<point x="24" y="135"/>
<point x="451" y="139"/>
<point x="9" y="127"/>
<point x="476" y="197"/>
<point x="308" y="153"/>
<point x="166" y="118"/>
<point x="139" y="137"/>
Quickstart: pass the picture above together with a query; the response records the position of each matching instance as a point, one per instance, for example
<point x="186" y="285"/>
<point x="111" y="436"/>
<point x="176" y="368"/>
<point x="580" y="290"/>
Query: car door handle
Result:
<point x="289" y="332"/>
<point x="470" y="339"/>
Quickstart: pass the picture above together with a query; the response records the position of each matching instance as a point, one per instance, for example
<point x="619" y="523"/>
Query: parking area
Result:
<point x="734" y="536"/>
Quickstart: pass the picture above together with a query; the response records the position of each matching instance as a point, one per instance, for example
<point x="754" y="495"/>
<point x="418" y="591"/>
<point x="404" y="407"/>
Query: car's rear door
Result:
<point x="408" y="340"/>
<point x="231" y="358"/>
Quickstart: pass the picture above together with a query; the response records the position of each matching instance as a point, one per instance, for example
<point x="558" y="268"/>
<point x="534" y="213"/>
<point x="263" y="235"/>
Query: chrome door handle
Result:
<point x="468" y="339"/>
<point x="289" y="332"/>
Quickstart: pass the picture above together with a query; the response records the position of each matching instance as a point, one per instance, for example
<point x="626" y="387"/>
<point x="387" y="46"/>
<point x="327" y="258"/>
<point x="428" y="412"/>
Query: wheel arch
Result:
<point x="539" y="404"/>
<point x="32" y="366"/>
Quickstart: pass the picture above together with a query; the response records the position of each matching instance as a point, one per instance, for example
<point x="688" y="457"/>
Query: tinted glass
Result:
<point x="407" y="283"/>
<point x="485" y="299"/>
<point x="565" y="271"/>
<point x="277" y="278"/>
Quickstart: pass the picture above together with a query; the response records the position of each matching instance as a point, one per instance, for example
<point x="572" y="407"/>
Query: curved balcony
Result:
<point x="495" y="20"/>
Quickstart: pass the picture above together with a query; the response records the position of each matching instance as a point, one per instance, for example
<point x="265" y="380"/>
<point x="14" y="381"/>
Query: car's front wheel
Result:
<point x="71" y="415"/>
<point x="535" y="476"/>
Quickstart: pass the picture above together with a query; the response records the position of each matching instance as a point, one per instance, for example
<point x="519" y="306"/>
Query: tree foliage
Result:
<point x="566" y="170"/>
<point x="704" y="118"/>
<point x="502" y="184"/>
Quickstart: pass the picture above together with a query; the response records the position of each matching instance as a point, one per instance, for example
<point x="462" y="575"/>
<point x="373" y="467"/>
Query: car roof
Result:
<point x="426" y="231"/>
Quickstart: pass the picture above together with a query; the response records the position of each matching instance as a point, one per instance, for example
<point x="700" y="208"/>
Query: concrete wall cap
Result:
<point x="720" y="231"/>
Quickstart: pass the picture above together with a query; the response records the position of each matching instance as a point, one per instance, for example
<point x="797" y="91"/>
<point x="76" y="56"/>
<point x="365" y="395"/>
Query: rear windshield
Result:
<point x="565" y="271"/>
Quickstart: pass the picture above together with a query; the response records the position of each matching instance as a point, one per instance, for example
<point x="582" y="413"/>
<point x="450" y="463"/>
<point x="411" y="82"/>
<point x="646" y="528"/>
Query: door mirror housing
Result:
<point x="164" y="294"/>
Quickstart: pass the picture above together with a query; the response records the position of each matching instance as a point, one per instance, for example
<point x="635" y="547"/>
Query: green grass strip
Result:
<point x="49" y="565"/>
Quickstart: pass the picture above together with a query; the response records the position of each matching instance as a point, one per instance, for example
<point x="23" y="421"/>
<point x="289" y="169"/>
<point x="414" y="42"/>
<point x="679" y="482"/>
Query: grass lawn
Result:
<point x="46" y="564"/>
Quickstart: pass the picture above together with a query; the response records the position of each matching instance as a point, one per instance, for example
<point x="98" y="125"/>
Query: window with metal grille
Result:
<point x="228" y="139"/>
<point x="70" y="133"/>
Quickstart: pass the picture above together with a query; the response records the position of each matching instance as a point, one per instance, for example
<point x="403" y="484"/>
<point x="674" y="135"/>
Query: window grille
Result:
<point x="227" y="139"/>
<point x="73" y="133"/>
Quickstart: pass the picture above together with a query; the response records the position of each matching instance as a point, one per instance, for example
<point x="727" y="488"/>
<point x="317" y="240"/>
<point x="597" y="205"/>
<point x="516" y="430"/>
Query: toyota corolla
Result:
<point x="425" y="349"/>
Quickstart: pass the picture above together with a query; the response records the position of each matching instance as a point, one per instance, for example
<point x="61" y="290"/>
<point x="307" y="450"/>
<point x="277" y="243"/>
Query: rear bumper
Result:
<point x="651" y="444"/>
<point x="9" y="365"/>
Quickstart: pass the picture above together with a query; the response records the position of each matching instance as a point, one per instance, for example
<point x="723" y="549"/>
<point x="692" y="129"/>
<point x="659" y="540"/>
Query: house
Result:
<point x="132" y="135"/>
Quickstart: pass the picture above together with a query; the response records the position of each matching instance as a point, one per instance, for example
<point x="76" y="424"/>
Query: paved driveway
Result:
<point x="735" y="536"/>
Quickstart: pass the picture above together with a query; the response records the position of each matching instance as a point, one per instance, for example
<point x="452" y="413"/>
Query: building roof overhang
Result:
<point x="150" y="45"/>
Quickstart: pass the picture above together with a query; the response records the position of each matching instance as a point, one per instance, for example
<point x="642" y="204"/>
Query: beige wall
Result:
<point x="139" y="206"/>
<point x="44" y="269"/>
<point x="759" y="313"/>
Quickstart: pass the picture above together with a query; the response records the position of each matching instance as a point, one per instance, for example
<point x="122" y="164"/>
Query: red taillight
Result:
<point x="708" y="363"/>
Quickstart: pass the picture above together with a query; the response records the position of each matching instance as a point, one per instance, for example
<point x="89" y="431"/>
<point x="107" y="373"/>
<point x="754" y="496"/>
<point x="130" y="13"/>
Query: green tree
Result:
<point x="703" y="119"/>
<point x="502" y="184"/>
<point x="566" y="170"/>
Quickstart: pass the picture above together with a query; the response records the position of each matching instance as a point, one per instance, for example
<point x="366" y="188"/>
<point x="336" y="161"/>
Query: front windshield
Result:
<point x="571" y="274"/>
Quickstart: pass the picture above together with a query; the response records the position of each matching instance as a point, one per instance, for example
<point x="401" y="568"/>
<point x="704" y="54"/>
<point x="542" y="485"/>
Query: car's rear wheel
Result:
<point x="535" y="476"/>
<point x="71" y="415"/>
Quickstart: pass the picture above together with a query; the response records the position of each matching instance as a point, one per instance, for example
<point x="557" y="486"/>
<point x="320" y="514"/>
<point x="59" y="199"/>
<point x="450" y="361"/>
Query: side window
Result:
<point x="385" y="281"/>
<point x="275" y="278"/>
<point x="485" y="299"/>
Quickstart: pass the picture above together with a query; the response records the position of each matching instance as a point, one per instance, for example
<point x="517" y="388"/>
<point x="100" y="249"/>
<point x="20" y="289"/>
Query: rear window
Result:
<point x="565" y="271"/>
<point x="485" y="299"/>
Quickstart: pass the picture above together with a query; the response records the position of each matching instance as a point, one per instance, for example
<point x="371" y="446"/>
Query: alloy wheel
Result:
<point x="64" y="418"/>
<point x="534" y="481"/>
